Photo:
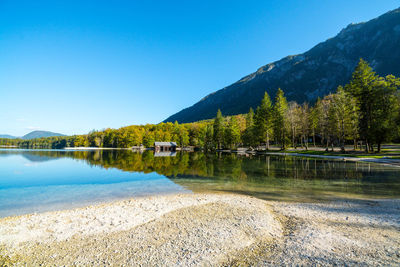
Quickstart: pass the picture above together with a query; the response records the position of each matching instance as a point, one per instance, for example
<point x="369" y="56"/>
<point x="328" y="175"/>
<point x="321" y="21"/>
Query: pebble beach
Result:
<point x="206" y="229"/>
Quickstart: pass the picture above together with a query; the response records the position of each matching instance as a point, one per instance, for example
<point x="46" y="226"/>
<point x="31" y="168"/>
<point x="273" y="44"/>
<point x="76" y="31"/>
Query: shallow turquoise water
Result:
<point x="42" y="180"/>
<point x="39" y="184"/>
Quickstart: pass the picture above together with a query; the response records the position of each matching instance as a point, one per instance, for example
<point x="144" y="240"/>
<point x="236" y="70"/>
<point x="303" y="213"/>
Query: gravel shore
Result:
<point x="206" y="229"/>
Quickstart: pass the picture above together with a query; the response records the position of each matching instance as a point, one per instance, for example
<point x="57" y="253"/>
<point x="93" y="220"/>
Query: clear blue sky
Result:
<point x="74" y="66"/>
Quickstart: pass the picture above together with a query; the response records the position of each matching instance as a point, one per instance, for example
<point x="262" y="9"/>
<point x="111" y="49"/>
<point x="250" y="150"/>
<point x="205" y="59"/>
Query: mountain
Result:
<point x="310" y="75"/>
<point x="32" y="135"/>
<point x="7" y="136"/>
<point x="39" y="134"/>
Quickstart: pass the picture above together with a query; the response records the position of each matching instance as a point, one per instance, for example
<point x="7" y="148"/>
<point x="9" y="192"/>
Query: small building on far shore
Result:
<point x="165" y="146"/>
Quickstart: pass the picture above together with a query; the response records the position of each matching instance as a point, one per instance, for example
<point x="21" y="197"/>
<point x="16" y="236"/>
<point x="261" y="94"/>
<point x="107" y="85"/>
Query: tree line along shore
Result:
<point x="366" y="112"/>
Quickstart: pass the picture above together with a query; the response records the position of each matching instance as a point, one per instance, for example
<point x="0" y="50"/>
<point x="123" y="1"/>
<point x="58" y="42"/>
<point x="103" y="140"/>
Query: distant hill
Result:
<point x="32" y="135"/>
<point x="313" y="74"/>
<point x="40" y="134"/>
<point x="7" y="136"/>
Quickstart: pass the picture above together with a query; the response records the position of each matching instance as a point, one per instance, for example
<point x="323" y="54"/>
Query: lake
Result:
<point x="43" y="180"/>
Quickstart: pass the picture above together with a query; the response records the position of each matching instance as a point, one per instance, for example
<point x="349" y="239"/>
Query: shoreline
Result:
<point x="384" y="161"/>
<point x="207" y="229"/>
<point x="95" y="148"/>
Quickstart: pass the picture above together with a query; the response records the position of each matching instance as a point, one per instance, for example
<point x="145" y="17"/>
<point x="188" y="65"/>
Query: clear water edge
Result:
<point x="43" y="180"/>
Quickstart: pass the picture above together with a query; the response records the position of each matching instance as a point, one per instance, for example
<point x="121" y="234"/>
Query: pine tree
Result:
<point x="280" y="122"/>
<point x="384" y="109"/>
<point x="314" y="118"/>
<point x="304" y="124"/>
<point x="292" y="116"/>
<point x="248" y="134"/>
<point x="376" y="103"/>
<point x="361" y="87"/>
<point x="250" y="118"/>
<point x="263" y="120"/>
<point x="218" y="129"/>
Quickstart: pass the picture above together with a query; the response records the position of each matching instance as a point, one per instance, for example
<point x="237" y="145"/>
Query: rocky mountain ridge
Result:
<point x="313" y="74"/>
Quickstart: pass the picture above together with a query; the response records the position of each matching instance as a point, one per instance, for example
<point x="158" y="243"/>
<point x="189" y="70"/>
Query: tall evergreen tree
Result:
<point x="248" y="135"/>
<point x="280" y="121"/>
<point x="314" y="119"/>
<point x="304" y="124"/>
<point x="376" y="102"/>
<point x="250" y="118"/>
<point x="384" y="109"/>
<point x="263" y="120"/>
<point x="361" y="87"/>
<point x="218" y="128"/>
<point x="292" y="116"/>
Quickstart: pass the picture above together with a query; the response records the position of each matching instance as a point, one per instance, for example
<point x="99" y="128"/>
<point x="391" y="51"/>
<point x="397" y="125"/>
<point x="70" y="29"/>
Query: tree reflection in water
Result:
<point x="265" y="176"/>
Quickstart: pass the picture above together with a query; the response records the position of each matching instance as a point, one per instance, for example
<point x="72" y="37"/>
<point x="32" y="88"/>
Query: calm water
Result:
<point x="42" y="180"/>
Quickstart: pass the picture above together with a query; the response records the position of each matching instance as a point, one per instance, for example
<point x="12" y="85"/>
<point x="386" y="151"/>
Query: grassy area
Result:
<point x="336" y="153"/>
<point x="389" y="151"/>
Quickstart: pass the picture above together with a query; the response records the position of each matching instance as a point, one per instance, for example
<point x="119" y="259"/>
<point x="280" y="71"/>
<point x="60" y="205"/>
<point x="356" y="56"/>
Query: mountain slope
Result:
<point x="7" y="136"/>
<point x="40" y="134"/>
<point x="307" y="76"/>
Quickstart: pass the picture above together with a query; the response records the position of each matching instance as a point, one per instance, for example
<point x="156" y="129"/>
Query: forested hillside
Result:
<point x="366" y="109"/>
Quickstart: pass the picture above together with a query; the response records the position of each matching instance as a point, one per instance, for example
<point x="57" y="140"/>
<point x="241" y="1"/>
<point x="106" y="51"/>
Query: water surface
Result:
<point x="42" y="180"/>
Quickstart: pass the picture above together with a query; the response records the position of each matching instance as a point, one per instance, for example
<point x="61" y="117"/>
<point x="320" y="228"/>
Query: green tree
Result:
<point x="263" y="120"/>
<point x="376" y="102"/>
<point x="384" y="109"/>
<point x="361" y="87"/>
<point x="183" y="136"/>
<point x="280" y="121"/>
<point x="292" y="117"/>
<point x="343" y="109"/>
<point x="209" y="138"/>
<point x="175" y="132"/>
<point x="218" y="128"/>
<point x="232" y="133"/>
<point x="304" y="123"/>
<point x="314" y="119"/>
<point x="79" y="141"/>
<point x="249" y="135"/>
<point x="148" y="139"/>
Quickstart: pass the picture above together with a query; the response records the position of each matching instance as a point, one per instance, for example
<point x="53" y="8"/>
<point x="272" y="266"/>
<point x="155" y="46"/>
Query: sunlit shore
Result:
<point x="207" y="229"/>
<point x="94" y="148"/>
<point x="383" y="160"/>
